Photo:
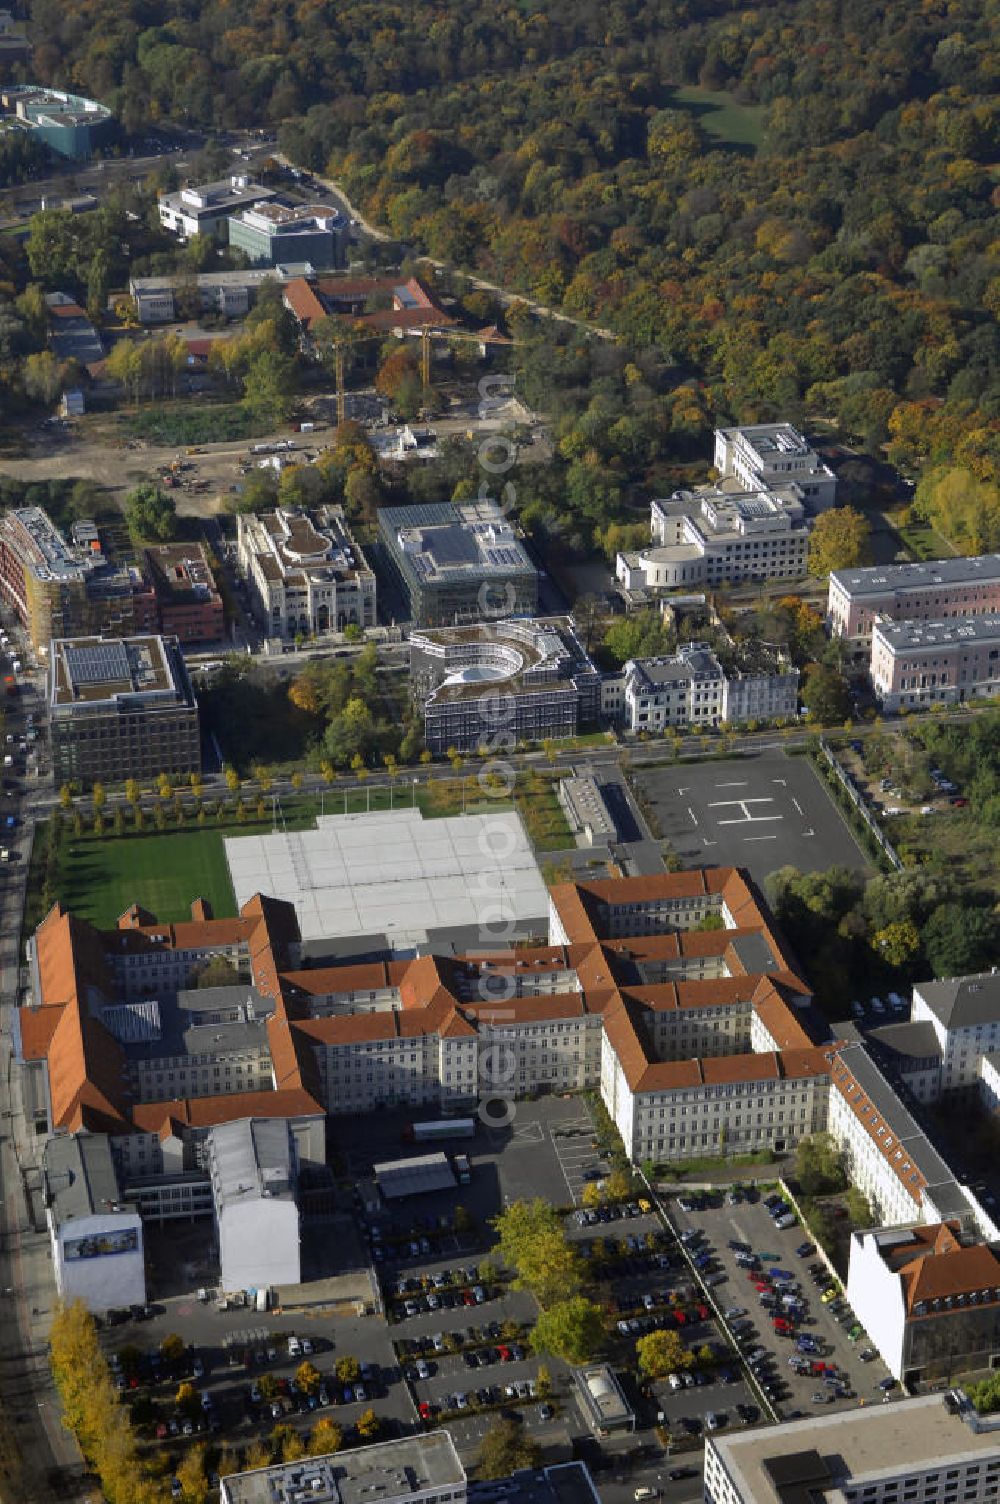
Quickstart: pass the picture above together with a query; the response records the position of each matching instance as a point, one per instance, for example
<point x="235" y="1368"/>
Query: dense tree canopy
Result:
<point x="830" y="249"/>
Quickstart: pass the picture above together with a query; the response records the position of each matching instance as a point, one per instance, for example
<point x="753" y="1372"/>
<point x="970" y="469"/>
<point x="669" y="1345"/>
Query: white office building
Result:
<point x="763" y="455"/>
<point x="254" y="1170"/>
<point x="685" y="689"/>
<point x="96" y="1238"/>
<point x="423" y="1469"/>
<point x="964" y="1013"/>
<point x="706" y="538"/>
<point x="888" y="1156"/>
<point x="929" y="1450"/>
<point x="205" y="209"/>
<point x="929" y="1303"/>
<point x="691" y="688"/>
<point x="305" y="572"/>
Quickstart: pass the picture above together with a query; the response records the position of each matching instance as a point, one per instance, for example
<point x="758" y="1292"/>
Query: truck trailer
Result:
<point x="439" y="1129"/>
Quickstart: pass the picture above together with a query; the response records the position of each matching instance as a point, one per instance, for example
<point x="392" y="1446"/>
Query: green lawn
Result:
<point x="923" y="541"/>
<point x="722" y="117"/>
<point x="164" y="873"/>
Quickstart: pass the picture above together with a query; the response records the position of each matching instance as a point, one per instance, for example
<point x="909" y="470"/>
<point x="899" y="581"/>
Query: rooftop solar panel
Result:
<point x="98" y="663"/>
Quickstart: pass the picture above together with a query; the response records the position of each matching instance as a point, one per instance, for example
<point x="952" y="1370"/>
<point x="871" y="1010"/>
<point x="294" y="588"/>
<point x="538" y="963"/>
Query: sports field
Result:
<point x="163" y="873"/>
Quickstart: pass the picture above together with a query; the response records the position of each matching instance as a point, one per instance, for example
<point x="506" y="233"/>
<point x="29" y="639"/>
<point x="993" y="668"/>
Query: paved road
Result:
<point x="479" y="284"/>
<point x="47" y="1465"/>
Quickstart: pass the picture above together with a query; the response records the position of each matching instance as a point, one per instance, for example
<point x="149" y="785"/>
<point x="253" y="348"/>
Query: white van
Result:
<point x="294" y="1347"/>
<point x="644" y="1493"/>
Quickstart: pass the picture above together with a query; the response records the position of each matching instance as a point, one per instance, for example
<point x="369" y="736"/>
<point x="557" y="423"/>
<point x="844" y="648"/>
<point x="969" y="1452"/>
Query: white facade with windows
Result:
<point x="769" y="454"/>
<point x="713" y="536"/>
<point x="691" y="688"/>
<point x="964" y="1013"/>
<point x="205" y="209"/>
<point x="306" y="573"/>
<point x="711" y="1117"/>
<point x="686" y="689"/>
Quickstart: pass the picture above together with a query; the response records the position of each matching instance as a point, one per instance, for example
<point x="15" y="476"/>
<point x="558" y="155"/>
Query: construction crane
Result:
<point x="426" y="334"/>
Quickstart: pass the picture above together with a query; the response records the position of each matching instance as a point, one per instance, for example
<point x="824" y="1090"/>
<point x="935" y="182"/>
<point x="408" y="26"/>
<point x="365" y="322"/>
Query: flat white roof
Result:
<point x="899" y="1438"/>
<point x="397" y="874"/>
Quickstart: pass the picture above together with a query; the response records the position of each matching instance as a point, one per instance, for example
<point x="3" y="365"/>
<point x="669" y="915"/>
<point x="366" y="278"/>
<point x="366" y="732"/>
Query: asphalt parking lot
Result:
<point x="761" y="812"/>
<point x="546" y="1150"/>
<point x="653" y="1267"/>
<point x="205" y="1330"/>
<point x="751" y="1223"/>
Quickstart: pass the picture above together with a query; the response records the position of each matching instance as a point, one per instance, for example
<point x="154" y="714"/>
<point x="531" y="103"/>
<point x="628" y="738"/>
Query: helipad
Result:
<point x="399" y="875"/>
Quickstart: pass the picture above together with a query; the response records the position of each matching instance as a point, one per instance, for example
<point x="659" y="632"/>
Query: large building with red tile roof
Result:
<point x="380" y="303"/>
<point x="928" y="1298"/>
<point x="672" y="994"/>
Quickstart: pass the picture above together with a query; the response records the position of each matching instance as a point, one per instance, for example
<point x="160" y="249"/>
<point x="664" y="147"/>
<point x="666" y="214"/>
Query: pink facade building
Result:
<point x="940" y="591"/>
<point x="919" y="663"/>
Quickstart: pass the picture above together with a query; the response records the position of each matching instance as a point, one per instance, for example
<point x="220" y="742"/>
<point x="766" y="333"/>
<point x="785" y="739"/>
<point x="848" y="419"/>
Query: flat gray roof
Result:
<point x="379" y="1474"/>
<point x="879" y="578"/>
<point x="395" y="873"/>
<point x="963" y="1002"/>
<point x="563" y="1483"/>
<point x="588" y="805"/>
<point x="415" y="1176"/>
<point x="251" y="1158"/>
<point x="80" y="1175"/>
<point x="604" y="1396"/>
<point x="446" y="542"/>
<point x="928" y="636"/>
<point x="856" y="1445"/>
<point x="104" y="671"/>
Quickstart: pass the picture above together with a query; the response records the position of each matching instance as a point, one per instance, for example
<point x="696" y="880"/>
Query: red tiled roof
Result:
<point x="205" y="1112"/>
<point x="303" y="302"/>
<point x="531" y="1008"/>
<point x="37" y="1026"/>
<point x="950" y="1271"/>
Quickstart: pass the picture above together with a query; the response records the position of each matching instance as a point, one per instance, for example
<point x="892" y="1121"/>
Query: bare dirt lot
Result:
<point x="94" y="448"/>
<point x="89" y="451"/>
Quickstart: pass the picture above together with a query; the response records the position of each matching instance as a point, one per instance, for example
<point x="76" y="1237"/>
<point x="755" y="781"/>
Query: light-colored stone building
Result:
<point x="305" y="572"/>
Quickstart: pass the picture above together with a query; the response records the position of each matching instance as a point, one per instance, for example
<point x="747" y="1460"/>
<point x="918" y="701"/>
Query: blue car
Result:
<point x="10" y="822"/>
<point x="804" y="1250"/>
<point x="780" y="1274"/>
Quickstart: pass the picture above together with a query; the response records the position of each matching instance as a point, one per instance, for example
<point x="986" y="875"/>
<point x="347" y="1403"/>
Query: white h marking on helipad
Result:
<point x="743" y="804"/>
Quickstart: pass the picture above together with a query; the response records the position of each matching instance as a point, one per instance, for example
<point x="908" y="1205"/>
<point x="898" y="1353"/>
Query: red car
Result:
<point x="468" y="1299"/>
<point x="161" y="1430"/>
<point x="425" y="1410"/>
<point x="504" y="1353"/>
<point x="782" y="1327"/>
<point x="761" y="1285"/>
<point x="819" y="1368"/>
<point x="680" y="1318"/>
<point x="703" y="1313"/>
